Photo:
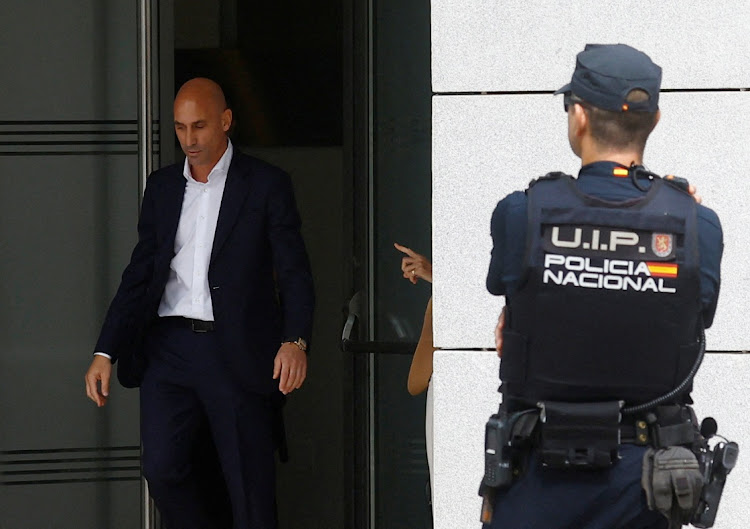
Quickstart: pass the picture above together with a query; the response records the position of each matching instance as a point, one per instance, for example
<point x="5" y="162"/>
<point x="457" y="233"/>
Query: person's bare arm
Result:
<point x="421" y="363"/>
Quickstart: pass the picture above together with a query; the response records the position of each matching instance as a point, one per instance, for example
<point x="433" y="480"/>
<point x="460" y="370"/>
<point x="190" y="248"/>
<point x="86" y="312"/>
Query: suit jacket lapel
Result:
<point x="235" y="191"/>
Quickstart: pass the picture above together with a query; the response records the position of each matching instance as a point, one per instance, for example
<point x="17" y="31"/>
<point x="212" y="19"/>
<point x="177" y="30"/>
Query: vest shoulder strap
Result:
<point x="677" y="182"/>
<point x="555" y="175"/>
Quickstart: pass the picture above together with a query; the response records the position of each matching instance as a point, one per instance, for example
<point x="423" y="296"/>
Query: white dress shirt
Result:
<point x="186" y="293"/>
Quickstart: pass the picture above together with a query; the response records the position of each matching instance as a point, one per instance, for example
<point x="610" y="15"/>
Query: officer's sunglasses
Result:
<point x="570" y="99"/>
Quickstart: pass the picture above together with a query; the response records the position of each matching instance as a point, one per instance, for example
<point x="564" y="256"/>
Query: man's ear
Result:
<point x="580" y="120"/>
<point x="226" y="119"/>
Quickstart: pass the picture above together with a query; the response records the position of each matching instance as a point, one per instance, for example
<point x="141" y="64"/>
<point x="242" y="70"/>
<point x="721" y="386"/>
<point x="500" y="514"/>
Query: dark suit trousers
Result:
<point x="185" y="388"/>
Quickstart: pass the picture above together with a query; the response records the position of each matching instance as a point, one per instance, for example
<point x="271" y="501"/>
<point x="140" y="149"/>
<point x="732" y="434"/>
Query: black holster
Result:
<point x="507" y="437"/>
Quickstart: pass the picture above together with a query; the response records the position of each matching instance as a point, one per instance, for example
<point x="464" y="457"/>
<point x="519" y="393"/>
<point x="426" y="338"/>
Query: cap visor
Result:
<point x="564" y="89"/>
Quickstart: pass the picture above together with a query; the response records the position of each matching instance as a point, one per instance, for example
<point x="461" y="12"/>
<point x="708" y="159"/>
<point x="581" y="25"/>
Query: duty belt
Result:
<point x="588" y="435"/>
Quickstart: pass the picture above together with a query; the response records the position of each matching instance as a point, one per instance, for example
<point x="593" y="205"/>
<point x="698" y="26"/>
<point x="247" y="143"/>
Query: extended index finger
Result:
<point x="404" y="249"/>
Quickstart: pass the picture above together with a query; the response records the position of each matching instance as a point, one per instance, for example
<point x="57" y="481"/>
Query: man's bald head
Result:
<point x="201" y="122"/>
<point x="202" y="89"/>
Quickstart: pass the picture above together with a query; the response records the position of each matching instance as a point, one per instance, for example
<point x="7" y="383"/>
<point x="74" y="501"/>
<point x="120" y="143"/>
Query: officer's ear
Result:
<point x="580" y="120"/>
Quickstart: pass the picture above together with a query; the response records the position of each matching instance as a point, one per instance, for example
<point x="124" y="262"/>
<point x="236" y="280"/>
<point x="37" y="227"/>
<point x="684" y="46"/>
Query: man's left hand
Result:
<point x="290" y="367"/>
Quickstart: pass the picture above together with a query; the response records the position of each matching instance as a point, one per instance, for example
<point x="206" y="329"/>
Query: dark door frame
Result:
<point x="358" y="141"/>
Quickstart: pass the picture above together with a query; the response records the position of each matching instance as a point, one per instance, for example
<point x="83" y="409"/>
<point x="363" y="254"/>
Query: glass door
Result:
<point x="392" y="190"/>
<point x="70" y="195"/>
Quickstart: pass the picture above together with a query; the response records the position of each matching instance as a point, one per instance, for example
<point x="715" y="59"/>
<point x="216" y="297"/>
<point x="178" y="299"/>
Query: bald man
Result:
<point x="212" y="317"/>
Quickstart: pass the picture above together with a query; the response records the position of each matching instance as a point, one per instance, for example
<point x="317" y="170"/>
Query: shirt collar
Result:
<point x="604" y="169"/>
<point x="219" y="170"/>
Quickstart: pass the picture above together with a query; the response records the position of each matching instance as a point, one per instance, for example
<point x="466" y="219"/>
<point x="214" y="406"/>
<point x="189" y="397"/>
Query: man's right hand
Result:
<point x="100" y="371"/>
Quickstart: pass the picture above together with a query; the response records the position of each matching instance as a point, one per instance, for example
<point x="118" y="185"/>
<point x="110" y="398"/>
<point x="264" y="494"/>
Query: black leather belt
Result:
<point x="193" y="325"/>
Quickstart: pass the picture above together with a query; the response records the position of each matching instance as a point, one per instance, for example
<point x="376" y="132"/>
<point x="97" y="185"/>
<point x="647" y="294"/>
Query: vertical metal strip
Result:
<point x="371" y="382"/>
<point x="145" y="94"/>
<point x="145" y="166"/>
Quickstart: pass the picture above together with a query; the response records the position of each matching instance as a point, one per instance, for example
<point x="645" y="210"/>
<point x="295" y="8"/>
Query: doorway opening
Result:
<point x="337" y="93"/>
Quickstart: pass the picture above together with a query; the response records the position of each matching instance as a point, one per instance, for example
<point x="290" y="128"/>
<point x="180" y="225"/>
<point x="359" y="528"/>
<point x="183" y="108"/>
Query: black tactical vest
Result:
<point x="609" y="304"/>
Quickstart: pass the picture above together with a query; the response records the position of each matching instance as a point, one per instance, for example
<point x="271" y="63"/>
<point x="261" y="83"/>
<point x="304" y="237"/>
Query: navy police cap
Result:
<point x="606" y="73"/>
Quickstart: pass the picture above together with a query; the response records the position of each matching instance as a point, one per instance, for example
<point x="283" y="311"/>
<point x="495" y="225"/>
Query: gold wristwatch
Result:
<point x="299" y="342"/>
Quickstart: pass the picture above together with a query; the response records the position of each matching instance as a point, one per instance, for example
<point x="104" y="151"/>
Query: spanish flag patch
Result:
<point x="662" y="269"/>
<point x="620" y="172"/>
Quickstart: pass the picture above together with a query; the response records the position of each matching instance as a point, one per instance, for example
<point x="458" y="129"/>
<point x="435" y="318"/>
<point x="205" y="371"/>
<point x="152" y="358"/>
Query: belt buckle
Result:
<point x="199" y="326"/>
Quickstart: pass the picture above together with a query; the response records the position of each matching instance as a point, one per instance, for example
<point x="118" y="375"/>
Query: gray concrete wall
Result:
<point x="494" y="45"/>
<point x="487" y="145"/>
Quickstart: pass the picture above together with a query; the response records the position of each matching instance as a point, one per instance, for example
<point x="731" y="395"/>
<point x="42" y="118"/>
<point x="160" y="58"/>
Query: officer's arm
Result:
<point x="711" y="246"/>
<point x="508" y="229"/>
<point x="497" y="229"/>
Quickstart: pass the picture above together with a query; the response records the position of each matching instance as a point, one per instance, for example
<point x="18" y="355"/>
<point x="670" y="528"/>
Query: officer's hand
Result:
<point x="414" y="266"/>
<point x="499" y="333"/>
<point x="100" y="371"/>
<point x="290" y="367"/>
<point x="694" y="191"/>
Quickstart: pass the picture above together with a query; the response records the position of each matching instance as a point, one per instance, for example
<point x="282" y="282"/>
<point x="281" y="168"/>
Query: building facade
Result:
<point x="496" y="126"/>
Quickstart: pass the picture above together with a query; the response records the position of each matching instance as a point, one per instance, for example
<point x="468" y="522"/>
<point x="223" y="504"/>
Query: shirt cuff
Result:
<point x="102" y="354"/>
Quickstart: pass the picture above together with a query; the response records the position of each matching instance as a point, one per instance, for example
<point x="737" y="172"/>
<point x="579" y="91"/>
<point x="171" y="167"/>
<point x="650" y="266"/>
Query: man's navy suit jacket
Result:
<point x="259" y="274"/>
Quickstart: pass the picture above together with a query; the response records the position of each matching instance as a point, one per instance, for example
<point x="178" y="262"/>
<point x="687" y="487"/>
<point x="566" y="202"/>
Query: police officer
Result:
<point x="608" y="279"/>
